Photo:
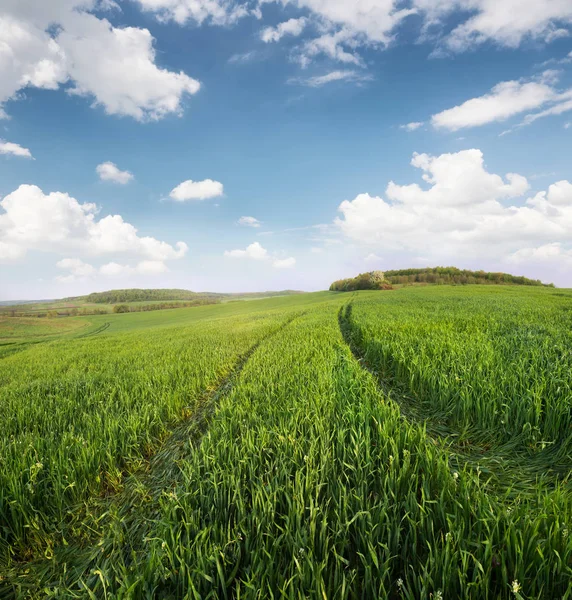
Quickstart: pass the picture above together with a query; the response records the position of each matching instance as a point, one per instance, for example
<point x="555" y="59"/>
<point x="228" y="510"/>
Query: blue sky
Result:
<point x="137" y="136"/>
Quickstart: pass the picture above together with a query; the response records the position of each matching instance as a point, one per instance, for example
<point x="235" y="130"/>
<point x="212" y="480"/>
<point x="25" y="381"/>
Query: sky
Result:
<point x="250" y="145"/>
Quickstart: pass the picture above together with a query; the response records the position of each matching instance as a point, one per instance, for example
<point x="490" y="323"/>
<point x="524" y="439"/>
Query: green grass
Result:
<point x="406" y="444"/>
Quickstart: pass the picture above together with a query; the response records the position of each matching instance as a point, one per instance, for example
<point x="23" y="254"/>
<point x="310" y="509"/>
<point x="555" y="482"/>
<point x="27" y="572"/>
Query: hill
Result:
<point x="158" y="295"/>
<point x="433" y="276"/>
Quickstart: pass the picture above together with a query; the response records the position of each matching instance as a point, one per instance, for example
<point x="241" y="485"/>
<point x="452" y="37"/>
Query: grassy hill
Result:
<point x="137" y="300"/>
<point x="376" y="280"/>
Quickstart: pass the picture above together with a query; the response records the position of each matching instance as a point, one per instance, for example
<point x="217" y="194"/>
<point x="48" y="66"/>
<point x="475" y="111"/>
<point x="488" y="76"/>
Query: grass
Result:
<point x="328" y="445"/>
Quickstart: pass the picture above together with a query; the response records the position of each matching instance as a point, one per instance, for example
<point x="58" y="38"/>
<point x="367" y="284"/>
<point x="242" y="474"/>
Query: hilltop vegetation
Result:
<point x="384" y="280"/>
<point x="138" y="295"/>
<point x="448" y="275"/>
<point x="374" y="280"/>
<point x="410" y="445"/>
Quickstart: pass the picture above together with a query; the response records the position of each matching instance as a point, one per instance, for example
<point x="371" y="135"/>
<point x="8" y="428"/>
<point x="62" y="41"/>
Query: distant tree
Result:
<point x="374" y="280"/>
<point x="121" y="308"/>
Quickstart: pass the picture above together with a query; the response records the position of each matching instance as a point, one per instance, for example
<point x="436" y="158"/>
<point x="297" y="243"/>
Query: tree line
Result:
<point x="452" y="275"/>
<point x="139" y="295"/>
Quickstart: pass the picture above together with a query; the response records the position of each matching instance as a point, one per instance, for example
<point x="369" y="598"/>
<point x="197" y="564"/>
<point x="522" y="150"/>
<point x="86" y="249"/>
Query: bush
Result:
<point x="121" y="308"/>
<point x="374" y="280"/>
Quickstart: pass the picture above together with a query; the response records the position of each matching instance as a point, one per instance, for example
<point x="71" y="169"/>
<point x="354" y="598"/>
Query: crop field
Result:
<point x="414" y="443"/>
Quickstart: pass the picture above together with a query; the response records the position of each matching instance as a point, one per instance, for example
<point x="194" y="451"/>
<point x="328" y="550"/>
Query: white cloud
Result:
<point x="242" y="58"/>
<point x="47" y="44"/>
<point x="81" y="271"/>
<point x="412" y="126"/>
<point x="197" y="190"/>
<point x="344" y="75"/>
<point x="373" y="258"/>
<point x="249" y="222"/>
<point x="563" y="105"/>
<point x="108" y="171"/>
<point x="145" y="267"/>
<point x="255" y="251"/>
<point x="506" y="22"/>
<point x="113" y="269"/>
<point x="216" y="12"/>
<point x="505" y="100"/>
<point x="554" y="254"/>
<point x="56" y="222"/>
<point x="285" y="263"/>
<point x="293" y="27"/>
<point x="151" y="267"/>
<point x="77" y="270"/>
<point x="368" y="21"/>
<point x="461" y="211"/>
<point x="14" y="149"/>
<point x="560" y="193"/>
<point x="347" y="26"/>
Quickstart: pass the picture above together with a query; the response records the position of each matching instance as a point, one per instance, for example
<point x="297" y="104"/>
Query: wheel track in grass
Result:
<point x="511" y="472"/>
<point x="134" y="507"/>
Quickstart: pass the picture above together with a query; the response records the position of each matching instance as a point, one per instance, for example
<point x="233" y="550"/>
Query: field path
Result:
<point x="508" y="471"/>
<point x="135" y="507"/>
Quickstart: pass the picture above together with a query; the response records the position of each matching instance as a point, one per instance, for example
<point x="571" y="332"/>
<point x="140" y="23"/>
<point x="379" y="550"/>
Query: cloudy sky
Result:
<point x="242" y="145"/>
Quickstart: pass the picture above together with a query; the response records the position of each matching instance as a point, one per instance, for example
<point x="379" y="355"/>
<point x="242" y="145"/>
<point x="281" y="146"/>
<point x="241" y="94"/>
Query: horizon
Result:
<point x="240" y="145"/>
<point x="199" y="292"/>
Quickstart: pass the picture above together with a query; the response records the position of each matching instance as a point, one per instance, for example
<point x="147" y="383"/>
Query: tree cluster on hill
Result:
<point x="154" y="295"/>
<point x="138" y="295"/>
<point x="374" y="280"/>
<point x="452" y="275"/>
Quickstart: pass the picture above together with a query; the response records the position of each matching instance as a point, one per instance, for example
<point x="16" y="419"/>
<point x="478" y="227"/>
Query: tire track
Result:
<point x="130" y="512"/>
<point x="504" y="468"/>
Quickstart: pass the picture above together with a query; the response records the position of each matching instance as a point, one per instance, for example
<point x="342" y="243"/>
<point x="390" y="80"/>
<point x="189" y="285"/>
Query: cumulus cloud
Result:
<point x="255" y="251"/>
<point x="249" y="222"/>
<point x="461" y="210"/>
<point x="292" y="27"/>
<point x="12" y="149"/>
<point x="284" y="263"/>
<point x="554" y="255"/>
<point x="77" y="270"/>
<point x="197" y="190"/>
<point x="109" y="171"/>
<point x="45" y="45"/>
<point x="57" y="222"/>
<point x="320" y="80"/>
<point x="412" y="126"/>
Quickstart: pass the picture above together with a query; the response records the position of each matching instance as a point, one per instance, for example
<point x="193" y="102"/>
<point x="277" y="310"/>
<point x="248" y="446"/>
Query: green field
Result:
<point x="414" y="443"/>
